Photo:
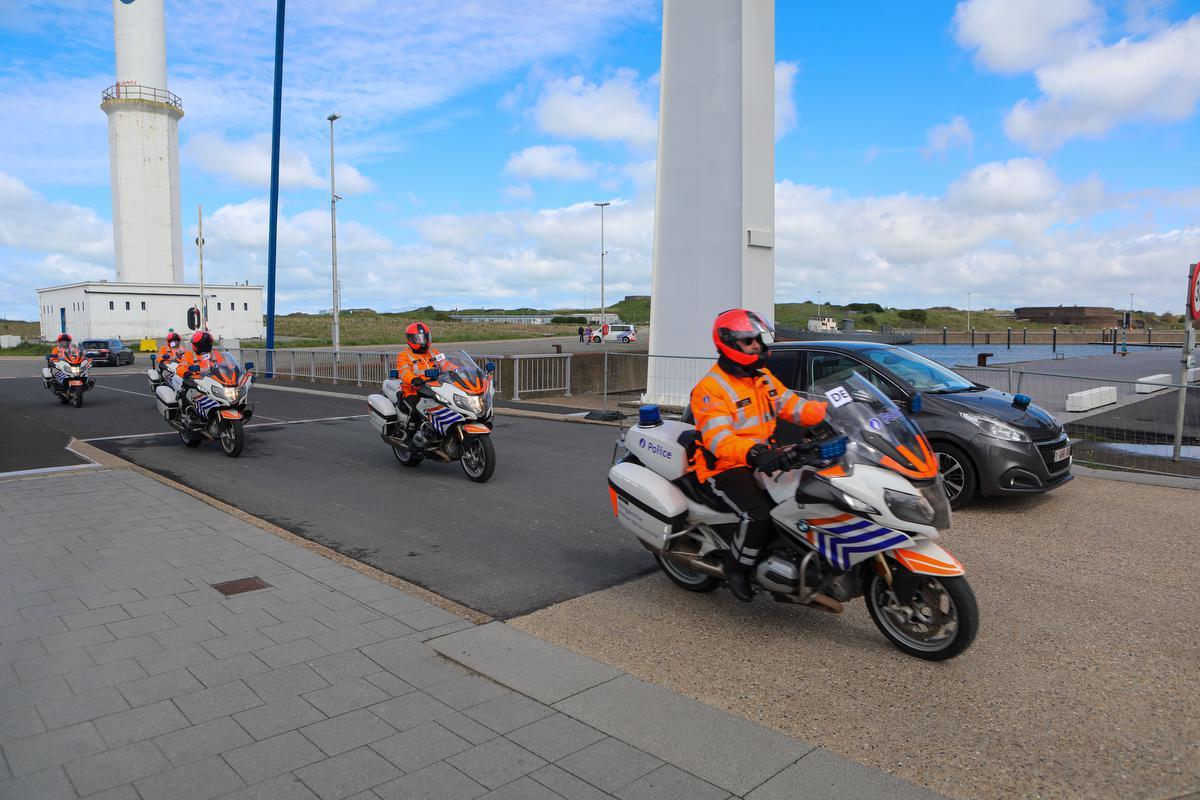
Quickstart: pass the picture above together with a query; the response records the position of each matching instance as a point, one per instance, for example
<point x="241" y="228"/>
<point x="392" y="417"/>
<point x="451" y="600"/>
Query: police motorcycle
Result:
<point x="858" y="513"/>
<point x="209" y="404"/>
<point x="161" y="371"/>
<point x="455" y="409"/>
<point x="66" y="375"/>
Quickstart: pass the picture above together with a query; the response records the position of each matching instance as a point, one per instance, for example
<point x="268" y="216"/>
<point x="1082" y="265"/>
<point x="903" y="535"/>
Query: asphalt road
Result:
<point x="539" y="532"/>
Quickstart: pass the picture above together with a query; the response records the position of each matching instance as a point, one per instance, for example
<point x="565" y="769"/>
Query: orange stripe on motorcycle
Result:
<point x="922" y="564"/>
<point x="228" y="413"/>
<point x="830" y="520"/>
<point x="472" y="427"/>
<point x="612" y="496"/>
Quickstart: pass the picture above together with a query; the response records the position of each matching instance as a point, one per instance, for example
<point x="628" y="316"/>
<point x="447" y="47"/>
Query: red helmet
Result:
<point x="173" y="337"/>
<point x="418" y="336"/>
<point x="64" y="338"/>
<point x="738" y="323"/>
<point x="202" y="342"/>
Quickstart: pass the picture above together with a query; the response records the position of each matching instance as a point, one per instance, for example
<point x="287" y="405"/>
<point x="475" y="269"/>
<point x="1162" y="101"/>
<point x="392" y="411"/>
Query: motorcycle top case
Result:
<point x="646" y="504"/>
<point x="383" y="414"/>
<point x="658" y="447"/>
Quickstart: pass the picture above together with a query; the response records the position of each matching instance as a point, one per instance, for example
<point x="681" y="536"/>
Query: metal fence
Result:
<point x="543" y="374"/>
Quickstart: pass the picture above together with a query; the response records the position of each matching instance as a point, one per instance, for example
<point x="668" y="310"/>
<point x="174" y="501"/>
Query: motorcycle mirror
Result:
<point x="432" y="373"/>
<point x="393" y="374"/>
<point x="249" y="366"/>
<point x="490" y="366"/>
<point x="153" y="358"/>
<point x="914" y="404"/>
<point x="194" y="369"/>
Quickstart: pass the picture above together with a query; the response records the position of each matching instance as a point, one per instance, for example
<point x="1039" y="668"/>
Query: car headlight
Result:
<point x="909" y="507"/>
<point x="472" y="403"/>
<point x="995" y="428"/>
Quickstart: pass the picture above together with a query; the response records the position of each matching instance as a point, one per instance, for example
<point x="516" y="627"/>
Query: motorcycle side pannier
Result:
<point x="168" y="402"/>
<point x="383" y="414"/>
<point x="646" y="504"/>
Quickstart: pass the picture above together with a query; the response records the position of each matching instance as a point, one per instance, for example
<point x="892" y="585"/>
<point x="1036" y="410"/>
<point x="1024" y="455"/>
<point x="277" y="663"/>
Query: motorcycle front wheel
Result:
<point x="479" y="458"/>
<point x="77" y="397"/>
<point x="938" y="621"/>
<point x="233" y="437"/>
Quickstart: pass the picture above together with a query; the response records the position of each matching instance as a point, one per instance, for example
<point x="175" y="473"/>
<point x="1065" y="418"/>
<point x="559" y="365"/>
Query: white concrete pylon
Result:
<point x="143" y="142"/>
<point x="714" y="219"/>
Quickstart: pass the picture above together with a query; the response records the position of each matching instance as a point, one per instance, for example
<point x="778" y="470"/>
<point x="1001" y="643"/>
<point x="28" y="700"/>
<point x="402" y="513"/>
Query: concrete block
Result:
<point x="670" y="783"/>
<point x="220" y="701"/>
<point x="440" y="781"/>
<point x="610" y="764"/>
<point x="523" y="662"/>
<point x="567" y="785"/>
<point x="201" y="741"/>
<point x="136" y="724"/>
<point x="348" y="696"/>
<point x="1153" y="383"/>
<point x="18" y="723"/>
<point x="496" y="763"/>
<point x="344" y="775"/>
<point x="274" y="756"/>
<point x="203" y="779"/>
<point x="555" y="736"/>
<point x="290" y="653"/>
<point x="733" y="753"/>
<point x="467" y="691"/>
<point x="110" y="674"/>
<point x="1091" y="398"/>
<point x="347" y="732"/>
<point x="47" y="783"/>
<point x="821" y="775"/>
<point x="1193" y="375"/>
<point x="508" y="712"/>
<point x="420" y="746"/>
<point x="523" y="789"/>
<point x="278" y="717"/>
<point x="411" y="710"/>
<point x="115" y="767"/>
<point x="160" y="687"/>
<point x="340" y="667"/>
<point x="284" y="787"/>
<point x="214" y="673"/>
<point x="81" y="708"/>
<point x="43" y="750"/>
<point x="288" y="682"/>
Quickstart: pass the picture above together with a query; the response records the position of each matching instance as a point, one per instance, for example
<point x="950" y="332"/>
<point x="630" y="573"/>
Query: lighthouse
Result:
<point x="143" y="149"/>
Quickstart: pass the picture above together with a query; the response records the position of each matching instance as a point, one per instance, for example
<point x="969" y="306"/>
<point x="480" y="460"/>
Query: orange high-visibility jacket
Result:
<point x="733" y="414"/>
<point x="167" y="354"/>
<point x="204" y="361"/>
<point x="412" y="365"/>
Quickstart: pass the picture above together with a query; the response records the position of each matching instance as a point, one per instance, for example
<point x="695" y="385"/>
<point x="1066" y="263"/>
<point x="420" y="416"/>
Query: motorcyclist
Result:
<point x="201" y="354"/>
<point x="171" y="351"/>
<point x="412" y="363"/>
<point x="735" y="408"/>
<point x="62" y="346"/>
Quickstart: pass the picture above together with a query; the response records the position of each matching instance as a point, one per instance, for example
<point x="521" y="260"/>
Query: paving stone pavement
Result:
<point x="124" y="674"/>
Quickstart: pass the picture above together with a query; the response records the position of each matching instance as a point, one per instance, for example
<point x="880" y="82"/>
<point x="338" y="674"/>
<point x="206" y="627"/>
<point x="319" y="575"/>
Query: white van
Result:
<point x="617" y="332"/>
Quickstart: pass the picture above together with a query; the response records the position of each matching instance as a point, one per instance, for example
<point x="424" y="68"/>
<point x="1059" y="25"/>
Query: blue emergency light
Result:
<point x="649" y="416"/>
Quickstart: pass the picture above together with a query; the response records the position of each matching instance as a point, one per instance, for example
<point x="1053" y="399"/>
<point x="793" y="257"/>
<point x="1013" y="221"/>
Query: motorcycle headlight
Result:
<point x="75" y="370"/>
<point x="855" y="504"/>
<point x="231" y="393"/>
<point x="909" y="507"/>
<point x="472" y="403"/>
<point x="995" y="428"/>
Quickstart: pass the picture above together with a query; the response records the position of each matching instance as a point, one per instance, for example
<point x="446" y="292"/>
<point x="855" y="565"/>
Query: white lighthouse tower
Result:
<point x="143" y="146"/>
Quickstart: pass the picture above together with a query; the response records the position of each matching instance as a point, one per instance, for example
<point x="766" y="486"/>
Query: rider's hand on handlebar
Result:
<point x="418" y="382"/>
<point x="771" y="459"/>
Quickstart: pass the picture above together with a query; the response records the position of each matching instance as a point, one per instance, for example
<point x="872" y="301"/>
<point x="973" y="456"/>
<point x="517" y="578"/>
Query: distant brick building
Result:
<point x="1088" y="316"/>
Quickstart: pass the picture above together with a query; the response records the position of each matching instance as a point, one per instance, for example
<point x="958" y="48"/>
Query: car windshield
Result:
<point x="925" y="375"/>
<point x="879" y="433"/>
<point x="461" y="370"/>
<point x="95" y="344"/>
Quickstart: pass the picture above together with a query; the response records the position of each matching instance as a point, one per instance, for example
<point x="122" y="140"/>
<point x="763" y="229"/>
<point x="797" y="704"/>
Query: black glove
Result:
<point x="418" y="382"/>
<point x="770" y="459"/>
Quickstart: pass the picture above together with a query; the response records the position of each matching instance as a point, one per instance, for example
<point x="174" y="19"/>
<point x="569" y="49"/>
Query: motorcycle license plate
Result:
<point x="1062" y="454"/>
<point x="77" y="383"/>
<point x="228" y="414"/>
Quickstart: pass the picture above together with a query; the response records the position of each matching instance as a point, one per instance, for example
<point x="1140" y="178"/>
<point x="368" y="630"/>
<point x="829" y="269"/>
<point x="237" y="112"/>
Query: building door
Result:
<point x="62" y="319"/>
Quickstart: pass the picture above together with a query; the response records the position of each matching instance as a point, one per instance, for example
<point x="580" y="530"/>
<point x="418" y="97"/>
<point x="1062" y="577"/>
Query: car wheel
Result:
<point x="958" y="474"/>
<point x="624" y="340"/>
<point x="596" y="340"/>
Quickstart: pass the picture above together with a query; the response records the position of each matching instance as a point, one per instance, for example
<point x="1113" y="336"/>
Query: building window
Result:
<point x="126" y="305"/>
<point x="218" y="306"/>
<point x="143" y="305"/>
<point x="111" y="304"/>
<point x="245" y="306"/>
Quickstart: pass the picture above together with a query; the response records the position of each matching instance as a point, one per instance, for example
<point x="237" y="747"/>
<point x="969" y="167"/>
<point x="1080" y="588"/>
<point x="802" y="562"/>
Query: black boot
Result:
<point x="737" y="575"/>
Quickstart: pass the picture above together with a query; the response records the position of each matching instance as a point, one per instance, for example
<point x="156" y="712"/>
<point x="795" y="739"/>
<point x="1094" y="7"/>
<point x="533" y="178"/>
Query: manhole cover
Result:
<point x="241" y="585"/>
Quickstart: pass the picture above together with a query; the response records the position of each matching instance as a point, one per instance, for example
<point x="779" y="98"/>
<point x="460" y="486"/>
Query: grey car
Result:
<point x="988" y="442"/>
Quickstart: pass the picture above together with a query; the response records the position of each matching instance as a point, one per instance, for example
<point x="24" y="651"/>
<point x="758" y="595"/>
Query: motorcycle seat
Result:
<point x="698" y="492"/>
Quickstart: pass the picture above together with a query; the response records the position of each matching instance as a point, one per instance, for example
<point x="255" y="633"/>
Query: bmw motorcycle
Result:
<point x="210" y="404"/>
<point x="67" y="376"/>
<point x="858" y="514"/>
<point x="454" y="407"/>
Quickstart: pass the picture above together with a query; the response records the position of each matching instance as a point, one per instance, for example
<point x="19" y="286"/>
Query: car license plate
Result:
<point x="1062" y="454"/>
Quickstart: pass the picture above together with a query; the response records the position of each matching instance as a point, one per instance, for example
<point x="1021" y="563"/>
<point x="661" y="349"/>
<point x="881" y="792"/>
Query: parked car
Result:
<point x="107" y="351"/>
<point x="617" y="332"/>
<point x="987" y="442"/>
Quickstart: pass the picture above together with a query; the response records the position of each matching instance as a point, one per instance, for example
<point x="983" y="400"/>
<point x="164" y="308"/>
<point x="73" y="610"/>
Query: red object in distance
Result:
<point x="1194" y="292"/>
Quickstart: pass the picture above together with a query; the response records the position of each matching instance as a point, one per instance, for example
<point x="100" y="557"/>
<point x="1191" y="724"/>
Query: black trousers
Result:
<point x="738" y="489"/>
<point x="409" y="403"/>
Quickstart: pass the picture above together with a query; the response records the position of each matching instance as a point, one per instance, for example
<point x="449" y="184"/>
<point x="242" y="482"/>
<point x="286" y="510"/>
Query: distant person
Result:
<point x="62" y="345"/>
<point x="171" y="351"/>
<point x="581" y="333"/>
<point x="588" y="334"/>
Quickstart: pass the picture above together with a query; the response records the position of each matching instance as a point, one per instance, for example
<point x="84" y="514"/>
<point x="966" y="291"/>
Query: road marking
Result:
<point x="251" y="425"/>
<point x="311" y="391"/>
<point x="44" y="470"/>
<point x="126" y="391"/>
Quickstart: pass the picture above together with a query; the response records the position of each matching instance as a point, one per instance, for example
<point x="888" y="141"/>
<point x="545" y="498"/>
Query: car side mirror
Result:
<point x="249" y="366"/>
<point x="432" y="373"/>
<point x="393" y="374"/>
<point x="490" y="366"/>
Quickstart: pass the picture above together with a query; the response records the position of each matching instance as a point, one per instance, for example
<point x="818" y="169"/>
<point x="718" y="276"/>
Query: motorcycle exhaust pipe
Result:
<point x="822" y="601"/>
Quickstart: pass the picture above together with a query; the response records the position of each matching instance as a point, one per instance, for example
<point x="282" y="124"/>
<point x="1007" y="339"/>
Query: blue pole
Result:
<point x="273" y="224"/>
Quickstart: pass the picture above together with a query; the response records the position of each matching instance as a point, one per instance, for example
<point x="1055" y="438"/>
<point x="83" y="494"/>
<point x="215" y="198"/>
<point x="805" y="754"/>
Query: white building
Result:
<point x="132" y="311"/>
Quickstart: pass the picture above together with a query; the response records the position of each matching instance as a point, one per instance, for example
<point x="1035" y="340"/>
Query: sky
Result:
<point x="1028" y="152"/>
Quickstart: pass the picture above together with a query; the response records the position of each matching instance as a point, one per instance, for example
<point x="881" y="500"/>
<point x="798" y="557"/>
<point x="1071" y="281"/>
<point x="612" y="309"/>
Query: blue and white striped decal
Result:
<point x="205" y="405"/>
<point x="61" y="376"/>
<point x="847" y="544"/>
<point x="441" y="418"/>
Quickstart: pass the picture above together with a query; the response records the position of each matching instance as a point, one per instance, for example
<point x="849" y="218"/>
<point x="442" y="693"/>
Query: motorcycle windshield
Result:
<point x="879" y="433"/>
<point x="461" y="370"/>
<point x="227" y="371"/>
<point x="73" y="355"/>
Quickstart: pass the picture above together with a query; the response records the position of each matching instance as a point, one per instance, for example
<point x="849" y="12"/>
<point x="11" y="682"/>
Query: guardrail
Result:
<point x="136" y="92"/>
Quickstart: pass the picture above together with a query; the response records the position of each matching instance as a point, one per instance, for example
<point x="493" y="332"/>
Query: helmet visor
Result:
<point x="750" y="327"/>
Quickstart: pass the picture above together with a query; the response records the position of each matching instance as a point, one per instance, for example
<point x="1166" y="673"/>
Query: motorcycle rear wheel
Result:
<point x="189" y="439"/>
<point x="479" y="458"/>
<point x="945" y="616"/>
<point x="685" y="578"/>
<point x="407" y="457"/>
<point x="233" y="438"/>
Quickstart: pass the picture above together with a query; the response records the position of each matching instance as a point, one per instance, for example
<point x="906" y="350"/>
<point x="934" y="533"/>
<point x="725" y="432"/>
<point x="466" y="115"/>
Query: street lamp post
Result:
<point x="333" y="198"/>
<point x="818" y="307"/>
<point x="969" y="310"/>
<point x="603" y="253"/>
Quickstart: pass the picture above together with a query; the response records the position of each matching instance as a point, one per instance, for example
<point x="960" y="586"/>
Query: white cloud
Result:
<point x="1157" y="79"/>
<point x="549" y="162"/>
<point x="617" y="110"/>
<point x="248" y="162"/>
<point x="29" y="221"/>
<point x="785" y="101"/>
<point x="1013" y="36"/>
<point x="1022" y="185"/>
<point x="953" y="135"/>
<point x="519" y="192"/>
